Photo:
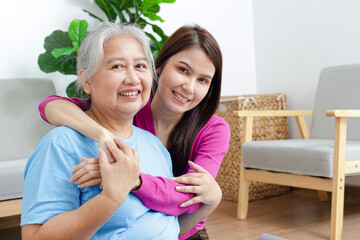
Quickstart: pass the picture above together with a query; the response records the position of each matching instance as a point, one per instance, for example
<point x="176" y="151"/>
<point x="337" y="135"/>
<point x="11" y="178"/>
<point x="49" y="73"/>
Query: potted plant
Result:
<point x="61" y="47"/>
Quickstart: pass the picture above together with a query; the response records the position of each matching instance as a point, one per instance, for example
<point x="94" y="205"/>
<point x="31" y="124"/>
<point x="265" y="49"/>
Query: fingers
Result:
<point x="103" y="160"/>
<point x="123" y="146"/>
<point x="188" y="189"/>
<point x="192" y="201"/>
<point x="84" y="162"/>
<point x="90" y="183"/>
<point x="190" y="179"/>
<point x="115" y="151"/>
<point x="86" y="167"/>
<point x="197" y="167"/>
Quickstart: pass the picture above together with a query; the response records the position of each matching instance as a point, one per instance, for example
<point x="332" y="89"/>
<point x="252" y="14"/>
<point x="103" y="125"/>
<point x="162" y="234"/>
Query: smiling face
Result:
<point x="122" y="83"/>
<point x="185" y="80"/>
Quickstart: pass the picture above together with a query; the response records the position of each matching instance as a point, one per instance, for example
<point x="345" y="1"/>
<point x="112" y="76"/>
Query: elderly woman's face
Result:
<point x="124" y="79"/>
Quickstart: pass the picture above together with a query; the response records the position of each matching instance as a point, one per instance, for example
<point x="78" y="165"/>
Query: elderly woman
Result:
<point x="115" y="68"/>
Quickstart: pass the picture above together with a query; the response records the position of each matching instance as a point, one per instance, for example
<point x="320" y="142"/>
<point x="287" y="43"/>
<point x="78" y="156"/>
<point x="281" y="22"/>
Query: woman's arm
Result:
<point x="84" y="221"/>
<point x="209" y="148"/>
<point x="159" y="193"/>
<point x="69" y="112"/>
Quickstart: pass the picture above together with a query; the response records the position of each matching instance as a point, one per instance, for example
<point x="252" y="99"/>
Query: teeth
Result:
<point x="132" y="93"/>
<point x="180" y="97"/>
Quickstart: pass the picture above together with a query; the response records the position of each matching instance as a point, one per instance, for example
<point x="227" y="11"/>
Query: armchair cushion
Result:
<point x="11" y="175"/>
<point x="313" y="157"/>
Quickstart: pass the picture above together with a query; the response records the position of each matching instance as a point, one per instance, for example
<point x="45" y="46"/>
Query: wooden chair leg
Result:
<point x="338" y="188"/>
<point x="337" y="212"/>
<point x="323" y="195"/>
<point x="243" y="200"/>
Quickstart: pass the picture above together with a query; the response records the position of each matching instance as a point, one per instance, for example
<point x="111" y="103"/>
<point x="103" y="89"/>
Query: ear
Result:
<point x="85" y="82"/>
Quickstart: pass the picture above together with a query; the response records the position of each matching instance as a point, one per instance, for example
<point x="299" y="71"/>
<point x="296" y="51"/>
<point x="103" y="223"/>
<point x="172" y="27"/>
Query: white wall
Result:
<point x="24" y="24"/>
<point x="295" y="39"/>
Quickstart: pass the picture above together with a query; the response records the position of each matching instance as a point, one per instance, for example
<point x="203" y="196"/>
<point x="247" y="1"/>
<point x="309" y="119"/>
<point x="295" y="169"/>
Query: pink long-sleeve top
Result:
<point x="158" y="193"/>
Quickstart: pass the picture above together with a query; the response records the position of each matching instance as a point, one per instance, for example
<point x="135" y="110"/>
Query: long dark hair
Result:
<point x="183" y="135"/>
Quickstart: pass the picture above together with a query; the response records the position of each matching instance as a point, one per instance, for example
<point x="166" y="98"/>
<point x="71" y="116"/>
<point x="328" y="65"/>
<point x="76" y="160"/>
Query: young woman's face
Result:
<point x="123" y="81"/>
<point x="185" y="80"/>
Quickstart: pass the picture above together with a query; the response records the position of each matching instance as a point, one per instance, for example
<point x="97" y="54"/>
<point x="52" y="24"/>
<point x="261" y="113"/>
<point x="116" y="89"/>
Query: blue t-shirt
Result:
<point x="48" y="192"/>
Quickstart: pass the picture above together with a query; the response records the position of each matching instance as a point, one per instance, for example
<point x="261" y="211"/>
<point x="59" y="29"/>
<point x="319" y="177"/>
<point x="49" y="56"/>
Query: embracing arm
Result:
<point x="209" y="148"/>
<point x="61" y="111"/>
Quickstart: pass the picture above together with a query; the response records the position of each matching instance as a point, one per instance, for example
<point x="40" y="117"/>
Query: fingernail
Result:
<point x="182" y="205"/>
<point x="177" y="188"/>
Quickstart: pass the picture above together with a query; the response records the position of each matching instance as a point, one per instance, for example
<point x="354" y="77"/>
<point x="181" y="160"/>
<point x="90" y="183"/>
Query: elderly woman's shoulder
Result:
<point x="65" y="135"/>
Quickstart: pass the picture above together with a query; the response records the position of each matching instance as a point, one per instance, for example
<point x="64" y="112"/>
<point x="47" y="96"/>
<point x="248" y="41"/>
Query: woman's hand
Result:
<point x="87" y="173"/>
<point x="121" y="177"/>
<point x="202" y="184"/>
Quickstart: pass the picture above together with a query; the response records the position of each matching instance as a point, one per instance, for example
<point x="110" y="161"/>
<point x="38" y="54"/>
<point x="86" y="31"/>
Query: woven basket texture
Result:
<point x="264" y="128"/>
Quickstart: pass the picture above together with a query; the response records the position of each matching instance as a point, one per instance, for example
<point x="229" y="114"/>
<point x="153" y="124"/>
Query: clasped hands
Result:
<point x="118" y="163"/>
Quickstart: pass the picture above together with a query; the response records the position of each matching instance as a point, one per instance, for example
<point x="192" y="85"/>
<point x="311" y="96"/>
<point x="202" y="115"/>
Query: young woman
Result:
<point x="181" y="115"/>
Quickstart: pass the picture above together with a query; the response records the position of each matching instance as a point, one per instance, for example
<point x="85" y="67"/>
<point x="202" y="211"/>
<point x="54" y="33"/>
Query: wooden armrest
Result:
<point x="273" y="113"/>
<point x="343" y="113"/>
<point x="10" y="208"/>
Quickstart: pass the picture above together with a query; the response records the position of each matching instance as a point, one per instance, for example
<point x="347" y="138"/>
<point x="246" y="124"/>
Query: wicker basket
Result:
<point x="264" y="128"/>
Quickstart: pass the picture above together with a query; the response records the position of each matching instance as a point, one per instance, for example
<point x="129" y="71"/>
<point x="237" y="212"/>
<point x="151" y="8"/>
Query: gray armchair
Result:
<point x="322" y="158"/>
<point x="21" y="129"/>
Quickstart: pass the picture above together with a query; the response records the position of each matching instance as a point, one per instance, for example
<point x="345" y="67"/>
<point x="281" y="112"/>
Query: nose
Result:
<point x="189" y="85"/>
<point x="131" y="77"/>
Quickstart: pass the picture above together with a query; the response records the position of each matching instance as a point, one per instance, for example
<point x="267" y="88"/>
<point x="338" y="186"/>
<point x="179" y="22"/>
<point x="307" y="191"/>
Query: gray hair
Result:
<point x="91" y="51"/>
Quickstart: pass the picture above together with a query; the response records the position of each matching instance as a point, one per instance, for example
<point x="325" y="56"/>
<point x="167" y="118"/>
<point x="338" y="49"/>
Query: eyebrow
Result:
<point x="122" y="59"/>
<point x="191" y="69"/>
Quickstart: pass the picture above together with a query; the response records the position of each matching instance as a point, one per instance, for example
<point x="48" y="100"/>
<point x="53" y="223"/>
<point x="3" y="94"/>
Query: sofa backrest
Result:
<point x="338" y="88"/>
<point x="21" y="126"/>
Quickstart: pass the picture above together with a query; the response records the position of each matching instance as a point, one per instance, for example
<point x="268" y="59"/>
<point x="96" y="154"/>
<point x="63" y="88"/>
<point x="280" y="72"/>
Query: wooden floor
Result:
<point x="293" y="216"/>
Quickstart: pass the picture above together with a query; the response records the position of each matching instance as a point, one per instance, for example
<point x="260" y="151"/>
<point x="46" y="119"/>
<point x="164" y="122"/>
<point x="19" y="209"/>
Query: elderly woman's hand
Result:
<point x="87" y="173"/>
<point x="202" y="184"/>
<point x="121" y="177"/>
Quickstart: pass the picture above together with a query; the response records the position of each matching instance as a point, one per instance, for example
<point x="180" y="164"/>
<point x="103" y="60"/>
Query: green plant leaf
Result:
<point x="71" y="91"/>
<point x="152" y="16"/>
<point x="154" y="8"/>
<point x="147" y="4"/>
<point x="122" y="4"/>
<point x="118" y="13"/>
<point x="154" y="42"/>
<point x="58" y="52"/>
<point x="93" y="15"/>
<point x="64" y="64"/>
<point x="58" y="39"/>
<point x="77" y="31"/>
<point x="131" y="16"/>
<point x="107" y="9"/>
<point x="159" y="32"/>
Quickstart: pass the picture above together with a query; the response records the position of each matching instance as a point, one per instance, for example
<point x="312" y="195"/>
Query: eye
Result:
<point x="204" y="80"/>
<point x="182" y="69"/>
<point x="117" y="66"/>
<point x="141" y="66"/>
